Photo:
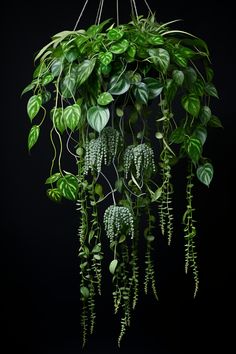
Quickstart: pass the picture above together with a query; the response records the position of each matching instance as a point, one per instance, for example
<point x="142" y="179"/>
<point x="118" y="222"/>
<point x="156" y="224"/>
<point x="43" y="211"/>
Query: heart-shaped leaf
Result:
<point x="154" y="87"/>
<point x="191" y="104"/>
<point x="105" y="98"/>
<point x="141" y="92"/>
<point x="58" y="119"/>
<point x="72" y="116"/>
<point x="178" y="77"/>
<point x="160" y="57"/>
<point x="205" y="173"/>
<point x="98" y="117"/>
<point x="33" y="106"/>
<point x="194" y="149"/>
<point x="119" y="85"/>
<point x="68" y="186"/>
<point x="84" y="70"/>
<point x="54" y="194"/>
<point x="33" y="136"/>
<point x="105" y="58"/>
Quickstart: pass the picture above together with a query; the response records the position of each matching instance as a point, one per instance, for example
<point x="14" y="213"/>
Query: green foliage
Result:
<point x="100" y="91"/>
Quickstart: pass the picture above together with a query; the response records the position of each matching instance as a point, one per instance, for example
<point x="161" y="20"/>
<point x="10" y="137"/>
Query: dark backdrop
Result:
<point x="40" y="278"/>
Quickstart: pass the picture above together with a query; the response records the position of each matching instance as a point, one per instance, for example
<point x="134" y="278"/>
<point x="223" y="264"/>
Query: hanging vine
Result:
<point x="129" y="100"/>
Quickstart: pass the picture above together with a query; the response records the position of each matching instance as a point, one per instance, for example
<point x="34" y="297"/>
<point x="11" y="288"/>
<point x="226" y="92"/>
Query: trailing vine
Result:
<point x="129" y="102"/>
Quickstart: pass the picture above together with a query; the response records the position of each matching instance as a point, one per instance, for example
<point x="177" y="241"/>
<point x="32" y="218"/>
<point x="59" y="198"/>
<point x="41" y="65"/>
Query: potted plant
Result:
<point x="126" y="102"/>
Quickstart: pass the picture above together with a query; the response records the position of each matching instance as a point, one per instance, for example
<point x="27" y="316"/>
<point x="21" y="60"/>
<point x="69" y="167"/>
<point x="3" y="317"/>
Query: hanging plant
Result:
<point x="132" y="99"/>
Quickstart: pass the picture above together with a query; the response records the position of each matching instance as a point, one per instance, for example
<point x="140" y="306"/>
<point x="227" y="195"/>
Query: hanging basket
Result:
<point x="128" y="100"/>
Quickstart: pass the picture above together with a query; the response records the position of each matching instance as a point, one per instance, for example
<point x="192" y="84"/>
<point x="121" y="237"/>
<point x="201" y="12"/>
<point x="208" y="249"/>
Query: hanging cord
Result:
<point x="81" y="14"/>
<point x="99" y="12"/>
<point x="149" y="9"/>
<point x="134" y="8"/>
<point x="117" y="12"/>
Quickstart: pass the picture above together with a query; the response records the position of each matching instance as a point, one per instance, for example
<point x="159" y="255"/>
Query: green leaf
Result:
<point x="211" y="90"/>
<point x="29" y="87"/>
<point x="191" y="104"/>
<point x="54" y="194"/>
<point x="104" y="99"/>
<point x="46" y="96"/>
<point x="131" y="51"/>
<point x="33" y="106"/>
<point x="97" y="248"/>
<point x="190" y="76"/>
<point x="215" y="122"/>
<point x="205" y="114"/>
<point x="71" y="116"/>
<point x="141" y="92"/>
<point x="133" y="77"/>
<point x="155" y="39"/>
<point x="171" y="90"/>
<point x="47" y="79"/>
<point x="154" y="87"/>
<point x="40" y="70"/>
<point x="205" y="173"/>
<point x="120" y="47"/>
<point x="209" y="73"/>
<point x="68" y="86"/>
<point x="179" y="59"/>
<point x="68" y="186"/>
<point x="156" y="195"/>
<point x="56" y="67"/>
<point x="58" y="119"/>
<point x="201" y="133"/>
<point x="194" y="149"/>
<point x="33" y="136"/>
<point x="105" y="58"/>
<point x="160" y="57"/>
<point x="84" y="70"/>
<point x="178" y="77"/>
<point x="98" y="190"/>
<point x="71" y="55"/>
<point x="115" y="34"/>
<point x="53" y="178"/>
<point x="198" y="87"/>
<point x="113" y="265"/>
<point x="178" y="135"/>
<point x="118" y="85"/>
<point x="98" y="117"/>
<point x="84" y="292"/>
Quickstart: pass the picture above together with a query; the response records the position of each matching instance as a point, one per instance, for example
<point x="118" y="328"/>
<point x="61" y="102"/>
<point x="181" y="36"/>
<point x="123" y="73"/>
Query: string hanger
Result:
<point x="133" y="5"/>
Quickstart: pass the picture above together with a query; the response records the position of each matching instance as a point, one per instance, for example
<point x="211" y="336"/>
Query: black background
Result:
<point x="40" y="278"/>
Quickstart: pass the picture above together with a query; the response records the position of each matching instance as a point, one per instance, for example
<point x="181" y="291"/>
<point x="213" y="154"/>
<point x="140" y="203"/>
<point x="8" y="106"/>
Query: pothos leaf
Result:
<point x="178" y="77"/>
<point x="154" y="87"/>
<point x="205" y="114"/>
<point x="120" y="47"/>
<point x="33" y="136"/>
<point x="119" y="85"/>
<point x="72" y="116"/>
<point x="98" y="117"/>
<point x="141" y="92"/>
<point x="58" y="119"/>
<point x="33" y="106"/>
<point x="53" y="178"/>
<point x="68" y="186"/>
<point x="105" y="58"/>
<point x="105" y="98"/>
<point x="85" y="70"/>
<point x="115" y="34"/>
<point x="211" y="90"/>
<point x="191" y="103"/>
<point x="201" y="133"/>
<point x="160" y="57"/>
<point x="205" y="173"/>
<point x="68" y="86"/>
<point x="194" y="149"/>
<point x="54" y="194"/>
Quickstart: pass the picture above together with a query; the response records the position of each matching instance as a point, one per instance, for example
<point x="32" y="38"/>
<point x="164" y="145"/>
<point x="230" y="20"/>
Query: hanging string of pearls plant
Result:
<point x="132" y="99"/>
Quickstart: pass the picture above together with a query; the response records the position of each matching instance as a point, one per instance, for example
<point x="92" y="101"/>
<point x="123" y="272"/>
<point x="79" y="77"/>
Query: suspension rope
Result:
<point x="135" y="8"/>
<point x="81" y="14"/>
<point x="149" y="9"/>
<point x="117" y="12"/>
<point x="98" y="11"/>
